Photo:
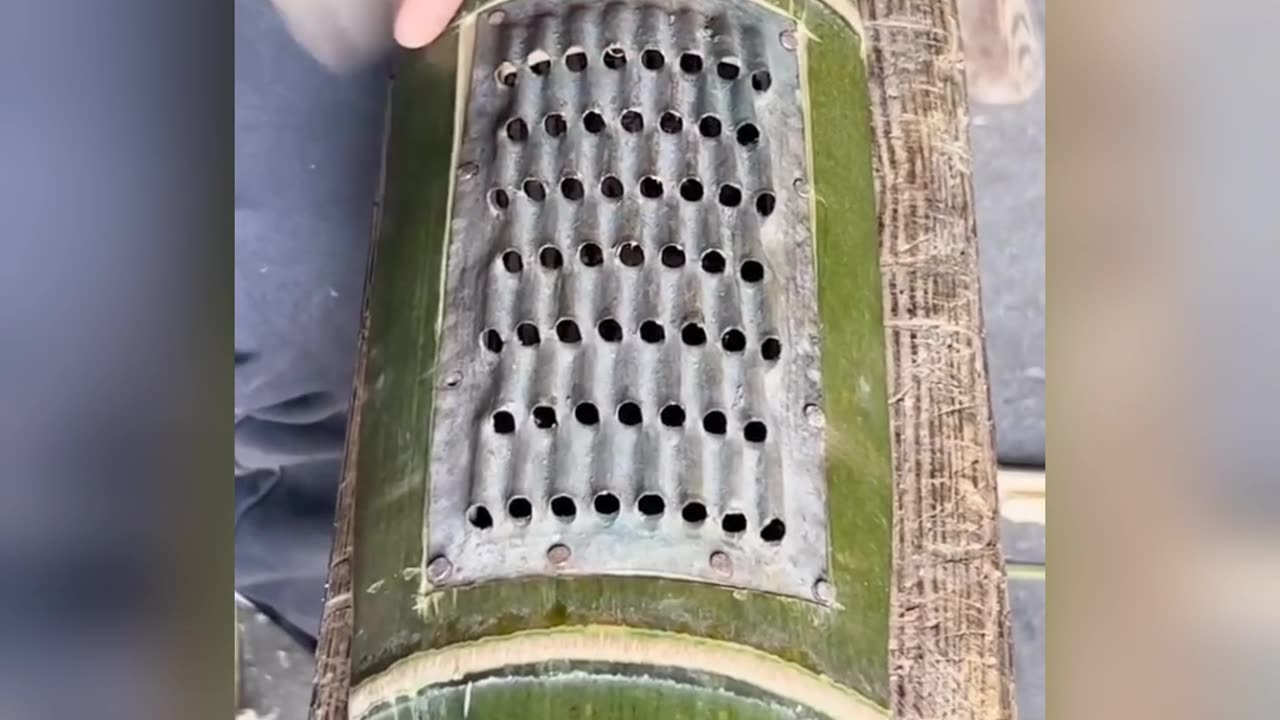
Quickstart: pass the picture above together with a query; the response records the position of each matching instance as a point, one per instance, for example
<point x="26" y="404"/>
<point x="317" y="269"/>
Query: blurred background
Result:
<point x="116" y="291"/>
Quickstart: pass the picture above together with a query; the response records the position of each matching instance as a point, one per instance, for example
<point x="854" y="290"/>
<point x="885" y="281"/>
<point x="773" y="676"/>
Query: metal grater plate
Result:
<point x="629" y="339"/>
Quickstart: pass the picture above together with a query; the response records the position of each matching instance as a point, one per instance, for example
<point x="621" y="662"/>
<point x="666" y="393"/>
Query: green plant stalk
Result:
<point x="395" y="620"/>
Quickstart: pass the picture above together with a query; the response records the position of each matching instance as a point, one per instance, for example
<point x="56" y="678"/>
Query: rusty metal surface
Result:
<point x="629" y="353"/>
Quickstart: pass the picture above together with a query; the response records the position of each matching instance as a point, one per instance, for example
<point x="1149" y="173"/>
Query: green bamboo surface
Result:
<point x="596" y="693"/>
<point x="393" y="620"/>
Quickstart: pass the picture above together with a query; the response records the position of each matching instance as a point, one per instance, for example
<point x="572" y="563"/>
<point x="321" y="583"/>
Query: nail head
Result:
<point x="721" y="563"/>
<point x="823" y="591"/>
<point x="559" y="554"/>
<point x="439" y="569"/>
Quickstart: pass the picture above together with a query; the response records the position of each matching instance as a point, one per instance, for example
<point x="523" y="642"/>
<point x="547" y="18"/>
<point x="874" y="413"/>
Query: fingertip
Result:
<point x="421" y="21"/>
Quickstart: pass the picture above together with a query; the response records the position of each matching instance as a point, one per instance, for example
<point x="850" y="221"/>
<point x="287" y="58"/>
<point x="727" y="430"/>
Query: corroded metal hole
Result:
<point x="506" y="75"/>
<point x="512" y="261"/>
<point x="734" y="523"/>
<point x="517" y="130"/>
<point x="571" y="188"/>
<point x="587" y="413"/>
<point x="479" y="517"/>
<point x="611" y="187"/>
<point x="755" y="432"/>
<point x="629" y="414"/>
<point x="771" y="349"/>
<point x="555" y="124"/>
<point x="504" y="423"/>
<point x="773" y="531"/>
<point x="575" y="59"/>
<point x="499" y="199"/>
<point x="651" y="187"/>
<point x="590" y="254"/>
<point x="694" y="512"/>
<point x="539" y="62"/>
<point x="672" y="416"/>
<point x="544" y="417"/>
<point x="728" y="69"/>
<point x="632" y="121"/>
<point x="691" y="62"/>
<point x="652" y="59"/>
<point x="606" y="503"/>
<point x="733" y="340"/>
<point x="631" y="254"/>
<point x="752" y="271"/>
<point x="550" y="257"/>
<point x="765" y="203"/>
<point x="691" y="189"/>
<point x="593" y="122"/>
<point x="528" y="334"/>
<point x="730" y="195"/>
<point x="535" y="190"/>
<point x="609" y="330"/>
<point x="651" y="505"/>
<point x="693" y="334"/>
<point x="715" y="423"/>
<point x="492" y="340"/>
<point x="713" y="262"/>
<point x="671" y="122"/>
<point x="563" y="507"/>
<point x="710" y="126"/>
<point x="520" y="509"/>
<point x="567" y="331"/>
<point x="614" y="58"/>
<point x="651" y="331"/>
<point x="672" y="256"/>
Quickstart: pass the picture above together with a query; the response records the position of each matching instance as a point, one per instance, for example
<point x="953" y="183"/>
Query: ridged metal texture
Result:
<point x="629" y="356"/>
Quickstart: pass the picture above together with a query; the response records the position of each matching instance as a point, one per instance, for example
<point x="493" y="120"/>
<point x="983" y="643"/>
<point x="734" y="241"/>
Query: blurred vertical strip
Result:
<point x="1128" y="405"/>
<point x="115" y="312"/>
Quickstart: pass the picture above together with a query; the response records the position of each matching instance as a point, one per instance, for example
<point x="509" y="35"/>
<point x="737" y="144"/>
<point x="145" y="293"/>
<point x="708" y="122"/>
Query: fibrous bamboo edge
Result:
<point x="950" y="653"/>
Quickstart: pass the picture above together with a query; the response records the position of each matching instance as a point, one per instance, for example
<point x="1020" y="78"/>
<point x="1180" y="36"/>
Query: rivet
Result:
<point x="559" y="554"/>
<point x="466" y="171"/>
<point x="721" y="563"/>
<point x="802" y="187"/>
<point x="788" y="39"/>
<point x="439" y="569"/>
<point x="815" y="416"/>
<point x="823" y="591"/>
<point x="497" y="17"/>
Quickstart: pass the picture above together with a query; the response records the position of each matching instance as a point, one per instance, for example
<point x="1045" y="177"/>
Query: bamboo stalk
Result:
<point x="949" y="653"/>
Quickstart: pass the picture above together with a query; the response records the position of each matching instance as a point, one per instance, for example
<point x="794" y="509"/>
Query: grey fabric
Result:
<point x="307" y="157"/>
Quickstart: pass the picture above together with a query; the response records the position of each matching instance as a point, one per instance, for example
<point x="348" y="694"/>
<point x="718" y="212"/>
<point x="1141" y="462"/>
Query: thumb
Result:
<point x="418" y="22"/>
